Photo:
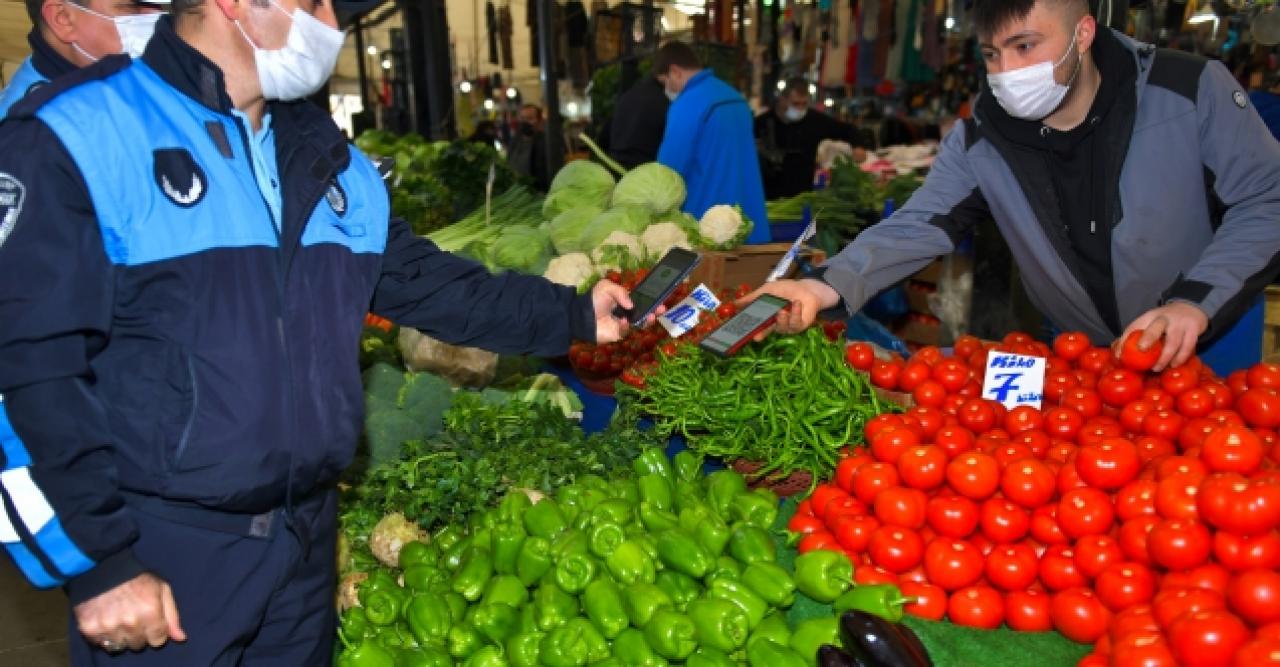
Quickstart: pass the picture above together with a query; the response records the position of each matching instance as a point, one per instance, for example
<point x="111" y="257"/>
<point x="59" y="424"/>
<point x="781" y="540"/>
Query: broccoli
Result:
<point x="425" y="397"/>
<point x="386" y="429"/>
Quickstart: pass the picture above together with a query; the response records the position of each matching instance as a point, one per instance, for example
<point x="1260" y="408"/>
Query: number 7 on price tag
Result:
<point x="1014" y="380"/>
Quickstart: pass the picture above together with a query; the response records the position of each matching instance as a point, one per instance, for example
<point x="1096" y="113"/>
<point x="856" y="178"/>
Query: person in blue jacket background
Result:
<point x="69" y="34"/>
<point x="187" y="255"/>
<point x="710" y="138"/>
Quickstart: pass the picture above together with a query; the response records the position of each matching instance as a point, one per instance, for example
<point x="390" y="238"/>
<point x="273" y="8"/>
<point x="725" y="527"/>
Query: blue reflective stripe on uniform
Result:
<point x="61" y="551"/>
<point x="15" y="454"/>
<point x="30" y="566"/>
<point x="19" y="84"/>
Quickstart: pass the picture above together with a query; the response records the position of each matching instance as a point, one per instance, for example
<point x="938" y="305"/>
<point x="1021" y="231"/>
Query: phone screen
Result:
<point x="660" y="282"/>
<point x="747" y="322"/>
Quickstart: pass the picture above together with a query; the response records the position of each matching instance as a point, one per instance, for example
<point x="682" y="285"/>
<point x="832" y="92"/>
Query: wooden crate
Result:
<point x="749" y="264"/>
<point x="1271" y="324"/>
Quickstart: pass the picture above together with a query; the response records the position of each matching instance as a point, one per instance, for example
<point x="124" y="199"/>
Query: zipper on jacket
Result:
<point x="191" y="418"/>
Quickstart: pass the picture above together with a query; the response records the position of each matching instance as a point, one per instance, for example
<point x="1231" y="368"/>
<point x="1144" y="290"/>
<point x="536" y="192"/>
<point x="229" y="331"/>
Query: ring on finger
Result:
<point x="111" y="646"/>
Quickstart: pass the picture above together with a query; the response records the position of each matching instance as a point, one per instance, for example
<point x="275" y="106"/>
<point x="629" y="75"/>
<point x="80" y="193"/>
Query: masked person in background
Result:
<point x="528" y="155"/>
<point x="69" y="34"/>
<point x="788" y="138"/>
<point x="187" y="254"/>
<point x="1136" y="187"/>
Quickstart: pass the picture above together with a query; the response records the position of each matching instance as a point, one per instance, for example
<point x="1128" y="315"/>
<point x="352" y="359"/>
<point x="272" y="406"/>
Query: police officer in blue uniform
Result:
<point x="69" y="34"/>
<point x="187" y="253"/>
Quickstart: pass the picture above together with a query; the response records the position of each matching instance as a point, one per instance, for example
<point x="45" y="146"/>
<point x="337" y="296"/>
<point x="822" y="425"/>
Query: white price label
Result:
<point x="1014" y="379"/>
<point x="681" y="319"/>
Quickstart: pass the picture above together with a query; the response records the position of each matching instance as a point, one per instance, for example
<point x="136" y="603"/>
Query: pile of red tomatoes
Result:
<point x="1137" y="511"/>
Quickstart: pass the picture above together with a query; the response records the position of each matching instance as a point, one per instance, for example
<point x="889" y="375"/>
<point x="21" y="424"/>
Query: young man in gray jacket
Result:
<point x="1137" y="187"/>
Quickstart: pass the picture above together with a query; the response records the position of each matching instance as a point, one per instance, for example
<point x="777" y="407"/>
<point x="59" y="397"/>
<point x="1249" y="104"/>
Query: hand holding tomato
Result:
<point x="1178" y="323"/>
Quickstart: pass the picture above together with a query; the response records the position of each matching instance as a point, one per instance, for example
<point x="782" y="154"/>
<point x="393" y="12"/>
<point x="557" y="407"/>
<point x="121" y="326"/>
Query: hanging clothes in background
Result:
<point x="913" y="68"/>
<point x="903" y="33"/>
<point x="852" y="38"/>
<point x="531" y="21"/>
<point x="576" y="27"/>
<point x="884" y="39"/>
<point x="934" y="54"/>
<point x="834" y="49"/>
<point x="505" y="27"/>
<point x="868" y="37"/>
<point x="491" y="25"/>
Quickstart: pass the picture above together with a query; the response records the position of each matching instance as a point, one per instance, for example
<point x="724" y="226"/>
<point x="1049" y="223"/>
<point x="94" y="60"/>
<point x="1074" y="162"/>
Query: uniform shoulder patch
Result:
<point x="337" y="198"/>
<point x="1239" y="98"/>
<point x="12" y="194"/>
<point x="179" y="177"/>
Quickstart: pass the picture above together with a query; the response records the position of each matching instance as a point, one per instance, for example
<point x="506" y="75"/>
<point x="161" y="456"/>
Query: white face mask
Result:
<point x="794" y="115"/>
<point x="1031" y="93"/>
<point x="671" y="94"/>
<point x="303" y="64"/>
<point x="134" y="30"/>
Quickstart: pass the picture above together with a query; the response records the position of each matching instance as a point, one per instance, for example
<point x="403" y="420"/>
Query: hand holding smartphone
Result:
<point x="660" y="282"/>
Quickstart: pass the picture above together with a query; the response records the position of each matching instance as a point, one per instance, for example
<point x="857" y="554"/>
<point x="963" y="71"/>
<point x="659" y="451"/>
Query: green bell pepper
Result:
<point x="687" y="466"/>
<point x="772" y="583"/>
<point x="811" y="634"/>
<point x="823" y="575"/>
<point x="418" y="553"/>
<point x="768" y="653"/>
<point x="423" y="577"/>
<point x="378" y="580"/>
<point x="602" y="600"/>
<point x="597" y="645"/>
<point x="523" y="649"/>
<point x="883" y="600"/>
<point x="457" y="604"/>
<point x="725" y="568"/>
<point x="671" y="634"/>
<point x="545" y="519"/>
<point x="534" y="560"/>
<point x="655" y="490"/>
<point x="572" y="541"/>
<point x="451" y="558"/>
<point x="642" y="600"/>
<point x="382" y="607"/>
<point x="709" y="657"/>
<point x="553" y="607"/>
<point x="474" y="573"/>
<point x="605" y="537"/>
<point x="354" y="625"/>
<point x="564" y="647"/>
<point x="592" y="481"/>
<point x="756" y="509"/>
<point x="650" y="546"/>
<point x="486" y="519"/>
<point x="614" y="510"/>
<point x="654" y="518"/>
<point x="429" y="619"/>
<point x="488" y="656"/>
<point x="528" y="619"/>
<point x="719" y="624"/>
<point x="424" y="656"/>
<point x="505" y="589"/>
<point x="688" y="495"/>
<point x="591" y="499"/>
<point x="653" y="461"/>
<point x="679" y="551"/>
<point x="495" y="622"/>
<point x="392" y="637"/>
<point x="773" y="628"/>
<point x="682" y="588"/>
<point x="625" y="489"/>
<point x="464" y="640"/>
<point x="574" y="571"/>
<point x="751" y="544"/>
<point x="447" y="537"/>
<point x="512" y="507"/>
<point x="630" y="563"/>
<point x="691" y="515"/>
<point x="631" y="650"/>
<point x="722" y="487"/>
<point x="505" y="542"/>
<point x="713" y="534"/>
<point x="738" y="594"/>
<point x="368" y="653"/>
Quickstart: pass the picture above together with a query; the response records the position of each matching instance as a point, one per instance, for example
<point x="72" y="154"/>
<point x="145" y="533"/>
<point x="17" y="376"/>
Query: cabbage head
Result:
<point x="579" y="183"/>
<point x="654" y="186"/>
<point x="567" y="228"/>
<point x="520" y="248"/>
<point x="630" y="219"/>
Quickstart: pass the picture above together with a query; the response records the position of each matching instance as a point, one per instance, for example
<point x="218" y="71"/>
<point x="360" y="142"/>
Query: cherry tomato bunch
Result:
<point x="1136" y="511"/>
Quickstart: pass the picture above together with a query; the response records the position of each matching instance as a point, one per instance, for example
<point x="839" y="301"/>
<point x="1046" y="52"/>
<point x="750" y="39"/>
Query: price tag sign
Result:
<point x="681" y="319"/>
<point x="1014" y="379"/>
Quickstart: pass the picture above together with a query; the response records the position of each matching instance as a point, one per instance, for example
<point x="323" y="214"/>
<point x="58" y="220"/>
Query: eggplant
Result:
<point x="913" y="641"/>
<point x="879" y="643"/>
<point x="830" y="656"/>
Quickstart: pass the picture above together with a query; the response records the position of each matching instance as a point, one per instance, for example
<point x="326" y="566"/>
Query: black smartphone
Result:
<point x="660" y="282"/>
<point x="729" y="337"/>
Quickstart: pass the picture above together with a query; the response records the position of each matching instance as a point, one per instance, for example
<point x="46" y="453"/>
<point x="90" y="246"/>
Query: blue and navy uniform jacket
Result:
<point x="164" y="337"/>
<point x="43" y="65"/>
<point x="710" y="141"/>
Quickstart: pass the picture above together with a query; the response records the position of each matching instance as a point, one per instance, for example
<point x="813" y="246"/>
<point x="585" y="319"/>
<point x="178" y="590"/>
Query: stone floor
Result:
<point x="33" y="624"/>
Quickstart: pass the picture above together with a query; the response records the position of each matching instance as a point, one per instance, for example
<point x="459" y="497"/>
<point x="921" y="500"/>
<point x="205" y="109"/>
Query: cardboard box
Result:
<point x="749" y="264"/>
<point x="919" y="332"/>
<point x="918" y="296"/>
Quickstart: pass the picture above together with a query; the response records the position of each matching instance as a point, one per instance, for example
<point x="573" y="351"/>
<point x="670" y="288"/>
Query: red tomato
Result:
<point x="1195" y="403"/>
<point x="1108" y="465"/>
<point x="1028" y="482"/>
<point x="1151" y="447"/>
<point x="860" y="356"/>
<point x="1063" y="422"/>
<point x="854" y="532"/>
<point x="966" y="346"/>
<point x="1176" y="497"/>
<point x="1060" y="451"/>
<point x="822" y="495"/>
<point x="1071" y="345"/>
<point x="1133" y="357"/>
<point x="1184" y="467"/>
<point x="895" y="549"/>
<point x="1085" y="512"/>
<point x="805" y="524"/>
<point x="954" y="440"/>
<point x="1094" y="553"/>
<point x="900" y="506"/>
<point x="1023" y="418"/>
<point x="1261" y="652"/>
<point x="1164" y="423"/>
<point x="842" y="506"/>
<point x="1179" y="544"/>
<point x="931" y="420"/>
<point x="1238" y="382"/>
<point x="1255" y="595"/>
<point x="1194" y="432"/>
<point x="1012" y="567"/>
<point x="928" y="355"/>
<point x="1170" y="604"/>
<point x="1036" y="441"/>
<point x="846" y="469"/>
<point x="978" y="415"/>
<point x="884" y="374"/>
<point x="1245" y="552"/>
<point x="929" y="393"/>
<point x="1028" y="611"/>
<point x="1094" y="659"/>
<point x="1079" y="615"/>
<point x="1230" y="502"/>
<point x="1178" y="380"/>
<point x="953" y="515"/>
<point x="1003" y="522"/>
<point x="872" y="478"/>
<point x="819" y="541"/>
<point x="913" y="373"/>
<point x="1222" y="400"/>
<point x="1135" y="413"/>
<point x="882" y="422"/>
<point x="1087" y="402"/>
<point x="930" y="601"/>
<point x="1133" y="620"/>
<point x="951" y="563"/>
<point x="976" y="607"/>
<point x="1207" y="638"/>
<point x="1145" y="649"/>
<point x="1057" y="384"/>
<point x="1044" y="525"/>
<point x="1123" y="585"/>
<point x="1133" y="537"/>
<point x="1096" y="360"/>
<point x="870" y="575"/>
<point x="889" y="444"/>
<point x="1264" y="376"/>
<point x="952" y="374"/>
<point x="1232" y="449"/>
<point x="974" y="475"/>
<point x="1119" y="386"/>
<point x="923" y="467"/>
<point x="1058" y="569"/>
<point x="1137" y="498"/>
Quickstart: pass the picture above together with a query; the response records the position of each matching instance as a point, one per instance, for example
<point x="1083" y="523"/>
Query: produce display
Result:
<point x="851" y="201"/>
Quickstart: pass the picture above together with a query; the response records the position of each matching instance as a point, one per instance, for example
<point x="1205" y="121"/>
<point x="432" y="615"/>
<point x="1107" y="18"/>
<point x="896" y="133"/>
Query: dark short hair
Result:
<point x="677" y="54"/>
<point x="992" y="15"/>
<point x="796" y="84"/>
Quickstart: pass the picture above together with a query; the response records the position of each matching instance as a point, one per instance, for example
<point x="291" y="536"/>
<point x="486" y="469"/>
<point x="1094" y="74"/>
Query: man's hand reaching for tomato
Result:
<point x="1175" y="327"/>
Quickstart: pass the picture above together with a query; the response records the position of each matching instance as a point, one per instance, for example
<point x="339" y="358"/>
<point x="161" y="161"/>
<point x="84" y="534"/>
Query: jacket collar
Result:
<point x="48" y="62"/>
<point x="185" y="68"/>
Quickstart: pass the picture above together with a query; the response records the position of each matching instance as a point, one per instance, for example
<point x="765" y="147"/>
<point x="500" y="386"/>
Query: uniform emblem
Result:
<point x="1239" y="98"/>
<point x="12" y="193"/>
<point x="336" y="197"/>
<point x="178" y="176"/>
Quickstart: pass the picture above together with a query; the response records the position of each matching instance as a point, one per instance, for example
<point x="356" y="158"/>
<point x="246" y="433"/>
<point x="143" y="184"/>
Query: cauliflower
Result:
<point x="724" y="227"/>
<point x="573" y="269"/>
<point x="391" y="534"/>
<point x="348" y="590"/>
<point x="618" y="250"/>
<point x="660" y="237"/>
